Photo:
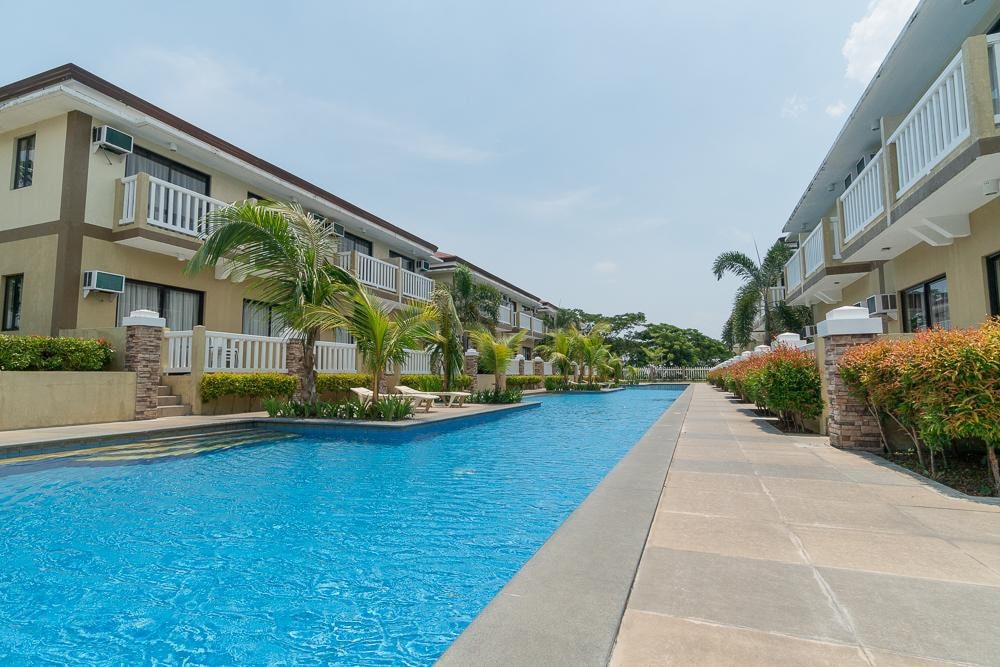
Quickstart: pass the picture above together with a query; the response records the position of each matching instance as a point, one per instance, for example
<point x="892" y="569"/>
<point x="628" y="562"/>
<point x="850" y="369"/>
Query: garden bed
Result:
<point x="966" y="470"/>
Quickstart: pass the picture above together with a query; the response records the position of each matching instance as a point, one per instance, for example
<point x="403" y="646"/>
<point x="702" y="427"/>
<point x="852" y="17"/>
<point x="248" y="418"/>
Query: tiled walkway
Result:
<point x="778" y="549"/>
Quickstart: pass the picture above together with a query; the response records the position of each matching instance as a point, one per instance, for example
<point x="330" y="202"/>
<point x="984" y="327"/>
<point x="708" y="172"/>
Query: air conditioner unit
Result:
<point x="809" y="331"/>
<point x="102" y="281"/>
<point x="112" y="140"/>
<point x="337" y="229"/>
<point x="882" y="304"/>
<point x="423" y="265"/>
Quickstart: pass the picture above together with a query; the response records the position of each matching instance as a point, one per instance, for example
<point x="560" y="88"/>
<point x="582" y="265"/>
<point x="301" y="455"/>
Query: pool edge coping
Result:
<point x="557" y="610"/>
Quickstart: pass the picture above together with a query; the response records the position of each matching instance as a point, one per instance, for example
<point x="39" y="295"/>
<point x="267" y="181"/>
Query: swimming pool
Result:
<point x="294" y="548"/>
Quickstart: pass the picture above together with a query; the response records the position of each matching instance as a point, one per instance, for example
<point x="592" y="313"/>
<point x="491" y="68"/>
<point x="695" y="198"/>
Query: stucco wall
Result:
<point x="40" y="201"/>
<point x="36" y="259"/>
<point x="32" y="399"/>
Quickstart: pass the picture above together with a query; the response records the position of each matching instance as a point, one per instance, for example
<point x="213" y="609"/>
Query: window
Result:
<point x="341" y="335"/>
<point x="255" y="196"/>
<point x="993" y="277"/>
<point x="408" y="264"/>
<point x="12" y="286"/>
<point x="526" y="351"/>
<point x="166" y="169"/>
<point x="848" y="181"/>
<point x="926" y="306"/>
<point x="261" y="319"/>
<point x="860" y="166"/>
<point x="180" y="307"/>
<point x="24" y="162"/>
<point x="351" y="242"/>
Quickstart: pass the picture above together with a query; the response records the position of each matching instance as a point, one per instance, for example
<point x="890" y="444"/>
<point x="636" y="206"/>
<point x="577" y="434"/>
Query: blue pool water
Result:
<point x="293" y="548"/>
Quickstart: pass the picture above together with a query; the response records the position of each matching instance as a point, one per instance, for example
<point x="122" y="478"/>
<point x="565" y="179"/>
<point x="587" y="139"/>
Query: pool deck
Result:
<point x="771" y="548"/>
<point x="35" y="440"/>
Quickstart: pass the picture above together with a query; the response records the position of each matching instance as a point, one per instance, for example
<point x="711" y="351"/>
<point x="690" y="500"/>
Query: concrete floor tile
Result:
<point x="860" y="514"/>
<point x="785" y="458"/>
<point x="709" y="454"/>
<point x="930" y="619"/>
<point x="926" y="496"/>
<point x="813" y="488"/>
<point x="651" y="639"/>
<point x="987" y="553"/>
<point x="959" y="524"/>
<point x="724" y="536"/>
<point x="754" y="506"/>
<point x="725" y="467"/>
<point x="800" y="471"/>
<point x="719" y="483"/>
<point x="904" y="555"/>
<point x="879" y="475"/>
<point x="759" y="594"/>
<point x="886" y="659"/>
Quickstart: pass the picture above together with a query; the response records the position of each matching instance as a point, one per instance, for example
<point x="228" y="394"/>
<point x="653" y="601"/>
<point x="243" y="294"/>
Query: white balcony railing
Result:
<point x="242" y="353"/>
<point x="417" y="286"/>
<point x="537" y="325"/>
<point x="994" y="61"/>
<point x="776" y="294"/>
<point x="935" y="126"/>
<point x="335" y="358"/>
<point x="812" y="250"/>
<point x="377" y="273"/>
<point x="344" y="260"/>
<point x="178" y="351"/>
<point x="793" y="270"/>
<point x="523" y="320"/>
<point x="863" y="201"/>
<point x="169" y="206"/>
<point x="505" y="315"/>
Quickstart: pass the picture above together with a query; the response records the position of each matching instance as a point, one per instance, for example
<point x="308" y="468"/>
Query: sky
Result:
<point x="596" y="154"/>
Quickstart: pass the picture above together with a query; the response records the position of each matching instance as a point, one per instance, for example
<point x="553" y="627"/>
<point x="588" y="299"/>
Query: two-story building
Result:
<point x="98" y="184"/>
<point x="903" y="214"/>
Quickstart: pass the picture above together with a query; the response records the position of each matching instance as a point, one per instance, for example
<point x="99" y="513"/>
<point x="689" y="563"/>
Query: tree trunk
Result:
<point x="500" y="380"/>
<point x="767" y="318"/>
<point x="309" y="361"/>
<point x="376" y="381"/>
<point x="991" y="458"/>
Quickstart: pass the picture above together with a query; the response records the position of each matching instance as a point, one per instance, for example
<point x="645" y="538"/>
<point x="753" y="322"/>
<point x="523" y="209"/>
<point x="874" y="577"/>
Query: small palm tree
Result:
<point x="288" y="255"/>
<point x="594" y="354"/>
<point x="753" y="293"/>
<point x="382" y="336"/>
<point x="497" y="351"/>
<point x="444" y="340"/>
<point x="559" y="349"/>
<point x="477" y="305"/>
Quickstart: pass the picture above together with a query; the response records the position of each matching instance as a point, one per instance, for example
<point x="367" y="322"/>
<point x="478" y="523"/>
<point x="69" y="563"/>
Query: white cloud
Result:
<point x="872" y="35"/>
<point x="793" y="106"/>
<point x="836" y="110"/>
<point x="195" y="84"/>
<point x="606" y="266"/>
<point x="558" y="205"/>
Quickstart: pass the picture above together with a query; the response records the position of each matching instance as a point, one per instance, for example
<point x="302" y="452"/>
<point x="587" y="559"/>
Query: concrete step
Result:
<point x="163" y="401"/>
<point x="163" y="390"/>
<point x="173" y="410"/>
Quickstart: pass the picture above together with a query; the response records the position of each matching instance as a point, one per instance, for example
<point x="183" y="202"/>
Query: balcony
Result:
<point x="814" y="273"/>
<point x="531" y="324"/>
<point x="505" y="316"/>
<point x="387" y="276"/>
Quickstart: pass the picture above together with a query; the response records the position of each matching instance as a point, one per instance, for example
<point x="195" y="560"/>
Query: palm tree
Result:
<point x="288" y="255"/>
<point x="496" y="351"/>
<point x="444" y="340"/>
<point x="560" y="348"/>
<point x="381" y="335"/>
<point x="477" y="305"/>
<point x="753" y="293"/>
<point x="594" y="354"/>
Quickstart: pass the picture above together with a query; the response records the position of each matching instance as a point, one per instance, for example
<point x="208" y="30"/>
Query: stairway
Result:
<point x="168" y="405"/>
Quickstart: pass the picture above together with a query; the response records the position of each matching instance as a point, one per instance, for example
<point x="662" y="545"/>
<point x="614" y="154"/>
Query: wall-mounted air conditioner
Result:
<point x="882" y="304"/>
<point x="112" y="140"/>
<point x="102" y="281"/>
<point x="337" y="229"/>
<point x="809" y="331"/>
<point x="423" y="265"/>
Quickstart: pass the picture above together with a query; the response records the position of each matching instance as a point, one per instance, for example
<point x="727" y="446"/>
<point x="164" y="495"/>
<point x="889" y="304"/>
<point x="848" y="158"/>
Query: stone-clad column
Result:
<point x="849" y="423"/>
<point x="472" y="365"/>
<point x="538" y="366"/>
<point x="143" y="343"/>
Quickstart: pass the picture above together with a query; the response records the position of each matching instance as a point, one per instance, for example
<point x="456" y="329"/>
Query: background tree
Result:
<point x="477" y="305"/>
<point x="559" y="348"/>
<point x="496" y="351"/>
<point x="444" y="340"/>
<point x="287" y="255"/>
<point x="752" y="295"/>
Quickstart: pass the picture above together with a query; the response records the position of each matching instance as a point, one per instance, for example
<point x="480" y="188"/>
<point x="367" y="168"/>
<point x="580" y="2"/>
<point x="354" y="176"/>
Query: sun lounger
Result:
<point x="454" y="399"/>
<point x="419" y="397"/>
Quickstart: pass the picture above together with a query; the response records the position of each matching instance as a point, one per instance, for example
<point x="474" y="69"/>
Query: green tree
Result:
<point x="477" y="305"/>
<point x="752" y="295"/>
<point x="288" y="256"/>
<point x="496" y="351"/>
<point x="444" y="340"/>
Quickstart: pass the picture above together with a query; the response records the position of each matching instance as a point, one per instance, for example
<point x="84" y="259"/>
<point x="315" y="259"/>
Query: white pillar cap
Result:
<point x="472" y="352"/>
<point x="762" y="349"/>
<point x="537" y="358"/>
<point x="144" y="318"/>
<point x="744" y="355"/>
<point x="848" y="320"/>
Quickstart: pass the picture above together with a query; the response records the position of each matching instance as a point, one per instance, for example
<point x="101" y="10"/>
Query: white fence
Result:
<point x="242" y="353"/>
<point x="169" y="206"/>
<point x="505" y="315"/>
<point x="417" y="286"/>
<point x="178" y="351"/>
<point x="654" y="373"/>
<point x="335" y="358"/>
<point x="377" y="273"/>
<point x="935" y="126"/>
<point x="812" y="250"/>
<point x="863" y="200"/>
<point x="513" y="367"/>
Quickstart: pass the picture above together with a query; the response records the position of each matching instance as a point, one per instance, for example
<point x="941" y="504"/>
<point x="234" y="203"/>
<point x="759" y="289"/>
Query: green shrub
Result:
<point x="248" y="385"/>
<point x="329" y="383"/>
<point x="495" y="395"/>
<point x="41" y="353"/>
<point x="388" y="408"/>
<point x="555" y="383"/>
<point x="423" y="382"/>
<point x="524" y="381"/>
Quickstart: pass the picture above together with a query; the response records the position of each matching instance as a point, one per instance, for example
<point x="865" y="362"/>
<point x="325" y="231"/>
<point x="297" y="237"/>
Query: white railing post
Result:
<point x="813" y="250"/>
<point x="863" y="200"/>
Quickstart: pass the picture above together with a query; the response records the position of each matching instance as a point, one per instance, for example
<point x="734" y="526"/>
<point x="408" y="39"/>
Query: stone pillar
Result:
<point x="472" y="366"/>
<point x="790" y="340"/>
<point x="849" y="423"/>
<point x="295" y="363"/>
<point x="143" y="343"/>
<point x="520" y="364"/>
<point x="537" y="366"/>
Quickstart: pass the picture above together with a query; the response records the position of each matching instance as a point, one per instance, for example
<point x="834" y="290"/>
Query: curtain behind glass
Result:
<point x="165" y="169"/>
<point x="138" y="297"/>
<point x="182" y="309"/>
<point x="938" y="302"/>
<point x="255" y="318"/>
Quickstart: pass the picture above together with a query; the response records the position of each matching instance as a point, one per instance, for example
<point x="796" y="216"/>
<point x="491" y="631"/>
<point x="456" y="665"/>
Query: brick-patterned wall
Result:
<point x="850" y="425"/>
<point x="538" y="367"/>
<point x="142" y="356"/>
<point x="295" y="363"/>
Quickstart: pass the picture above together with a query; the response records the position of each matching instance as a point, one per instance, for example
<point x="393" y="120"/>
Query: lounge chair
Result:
<point x="454" y="399"/>
<point x="419" y="397"/>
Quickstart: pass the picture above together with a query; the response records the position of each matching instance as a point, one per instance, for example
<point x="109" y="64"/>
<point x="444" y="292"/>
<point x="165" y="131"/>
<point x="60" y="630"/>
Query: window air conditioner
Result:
<point x="112" y="140"/>
<point x="809" y="331"/>
<point x="102" y="281"/>
<point x="882" y="304"/>
<point x="423" y="265"/>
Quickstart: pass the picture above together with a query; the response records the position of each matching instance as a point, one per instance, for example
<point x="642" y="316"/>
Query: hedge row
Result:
<point x="785" y="382"/>
<point x="248" y="385"/>
<point x="40" y="353"/>
<point x="524" y="381"/>
<point x="941" y="387"/>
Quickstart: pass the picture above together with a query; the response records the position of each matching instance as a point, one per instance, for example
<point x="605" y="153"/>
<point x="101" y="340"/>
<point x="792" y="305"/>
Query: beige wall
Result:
<point x="40" y="201"/>
<point x="36" y="259"/>
<point x="32" y="399"/>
